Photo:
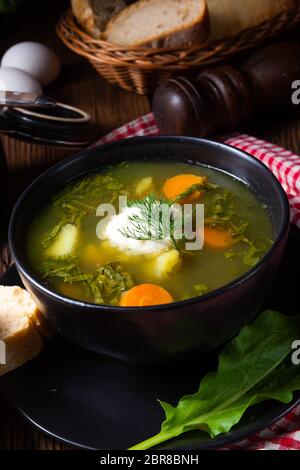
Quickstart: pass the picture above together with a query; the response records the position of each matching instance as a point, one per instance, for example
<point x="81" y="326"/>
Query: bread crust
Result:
<point x="186" y="37"/>
<point x="93" y="16"/>
<point x="19" y="318"/>
<point x="229" y="17"/>
<point x="21" y="348"/>
<point x="182" y="37"/>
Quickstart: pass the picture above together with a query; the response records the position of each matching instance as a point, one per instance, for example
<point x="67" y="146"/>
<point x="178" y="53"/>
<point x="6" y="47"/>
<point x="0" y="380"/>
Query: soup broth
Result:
<point x="119" y="268"/>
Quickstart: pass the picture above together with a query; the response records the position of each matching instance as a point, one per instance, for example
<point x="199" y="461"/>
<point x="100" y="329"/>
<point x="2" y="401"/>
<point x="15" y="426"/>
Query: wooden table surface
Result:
<point x="109" y="107"/>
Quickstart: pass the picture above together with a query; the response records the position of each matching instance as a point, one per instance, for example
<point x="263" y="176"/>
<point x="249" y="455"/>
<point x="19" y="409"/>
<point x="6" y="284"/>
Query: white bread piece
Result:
<point x="93" y="15"/>
<point x="18" y="315"/>
<point x="229" y="17"/>
<point x="157" y="23"/>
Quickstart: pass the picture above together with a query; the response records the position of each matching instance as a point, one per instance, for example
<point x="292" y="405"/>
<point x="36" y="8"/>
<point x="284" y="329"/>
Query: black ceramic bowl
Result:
<point x="168" y="331"/>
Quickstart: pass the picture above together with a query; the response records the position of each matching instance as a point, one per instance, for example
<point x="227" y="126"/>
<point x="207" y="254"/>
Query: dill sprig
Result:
<point x="155" y="219"/>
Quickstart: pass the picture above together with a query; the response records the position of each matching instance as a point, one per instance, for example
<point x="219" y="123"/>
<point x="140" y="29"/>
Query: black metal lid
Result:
<point x="61" y="125"/>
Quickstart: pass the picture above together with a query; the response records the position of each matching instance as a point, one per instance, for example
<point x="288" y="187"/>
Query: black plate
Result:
<point x="94" y="402"/>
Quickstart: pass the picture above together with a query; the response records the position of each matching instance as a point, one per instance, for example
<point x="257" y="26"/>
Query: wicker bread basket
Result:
<point x="139" y="69"/>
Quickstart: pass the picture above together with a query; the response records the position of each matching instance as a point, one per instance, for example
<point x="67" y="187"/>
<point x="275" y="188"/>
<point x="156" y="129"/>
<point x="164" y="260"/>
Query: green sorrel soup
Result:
<point x="131" y="259"/>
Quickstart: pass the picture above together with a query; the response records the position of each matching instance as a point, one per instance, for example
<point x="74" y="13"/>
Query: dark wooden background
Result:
<point x="110" y="107"/>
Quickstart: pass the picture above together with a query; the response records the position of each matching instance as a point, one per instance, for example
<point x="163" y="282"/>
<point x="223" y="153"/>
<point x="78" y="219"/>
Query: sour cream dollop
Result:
<point x="120" y="223"/>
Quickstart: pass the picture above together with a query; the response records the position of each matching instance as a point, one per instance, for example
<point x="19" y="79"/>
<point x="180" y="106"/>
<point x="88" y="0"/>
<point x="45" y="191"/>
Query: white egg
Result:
<point x="34" y="58"/>
<point x="121" y="221"/>
<point x="16" y="80"/>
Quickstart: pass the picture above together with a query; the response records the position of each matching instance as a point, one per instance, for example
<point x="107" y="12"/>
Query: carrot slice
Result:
<point x="145" y="294"/>
<point x="177" y="185"/>
<point x="218" y="239"/>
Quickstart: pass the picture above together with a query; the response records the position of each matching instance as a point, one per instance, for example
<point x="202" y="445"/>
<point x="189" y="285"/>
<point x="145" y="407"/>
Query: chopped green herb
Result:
<point x="220" y="212"/>
<point x="192" y="189"/>
<point x="253" y="252"/>
<point x="52" y="234"/>
<point x="200" y="289"/>
<point x="105" y="286"/>
<point x="112" y="280"/>
<point x="75" y="201"/>
<point x="205" y="186"/>
<point x="251" y="256"/>
<point x="230" y="255"/>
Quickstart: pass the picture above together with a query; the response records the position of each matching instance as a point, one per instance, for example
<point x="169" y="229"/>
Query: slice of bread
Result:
<point x="228" y="17"/>
<point x="20" y="339"/>
<point x="93" y="15"/>
<point x="157" y="23"/>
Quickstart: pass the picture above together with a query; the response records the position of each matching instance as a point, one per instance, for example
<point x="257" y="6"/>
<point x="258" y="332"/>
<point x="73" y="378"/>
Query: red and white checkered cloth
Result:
<point x="285" y="434"/>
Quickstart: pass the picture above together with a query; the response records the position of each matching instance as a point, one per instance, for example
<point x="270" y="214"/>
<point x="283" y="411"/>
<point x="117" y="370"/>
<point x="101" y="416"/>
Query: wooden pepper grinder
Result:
<point x="221" y="98"/>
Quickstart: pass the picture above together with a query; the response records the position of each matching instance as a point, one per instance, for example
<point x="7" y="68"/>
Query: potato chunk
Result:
<point x="165" y="263"/>
<point x="64" y="243"/>
<point x="144" y="186"/>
